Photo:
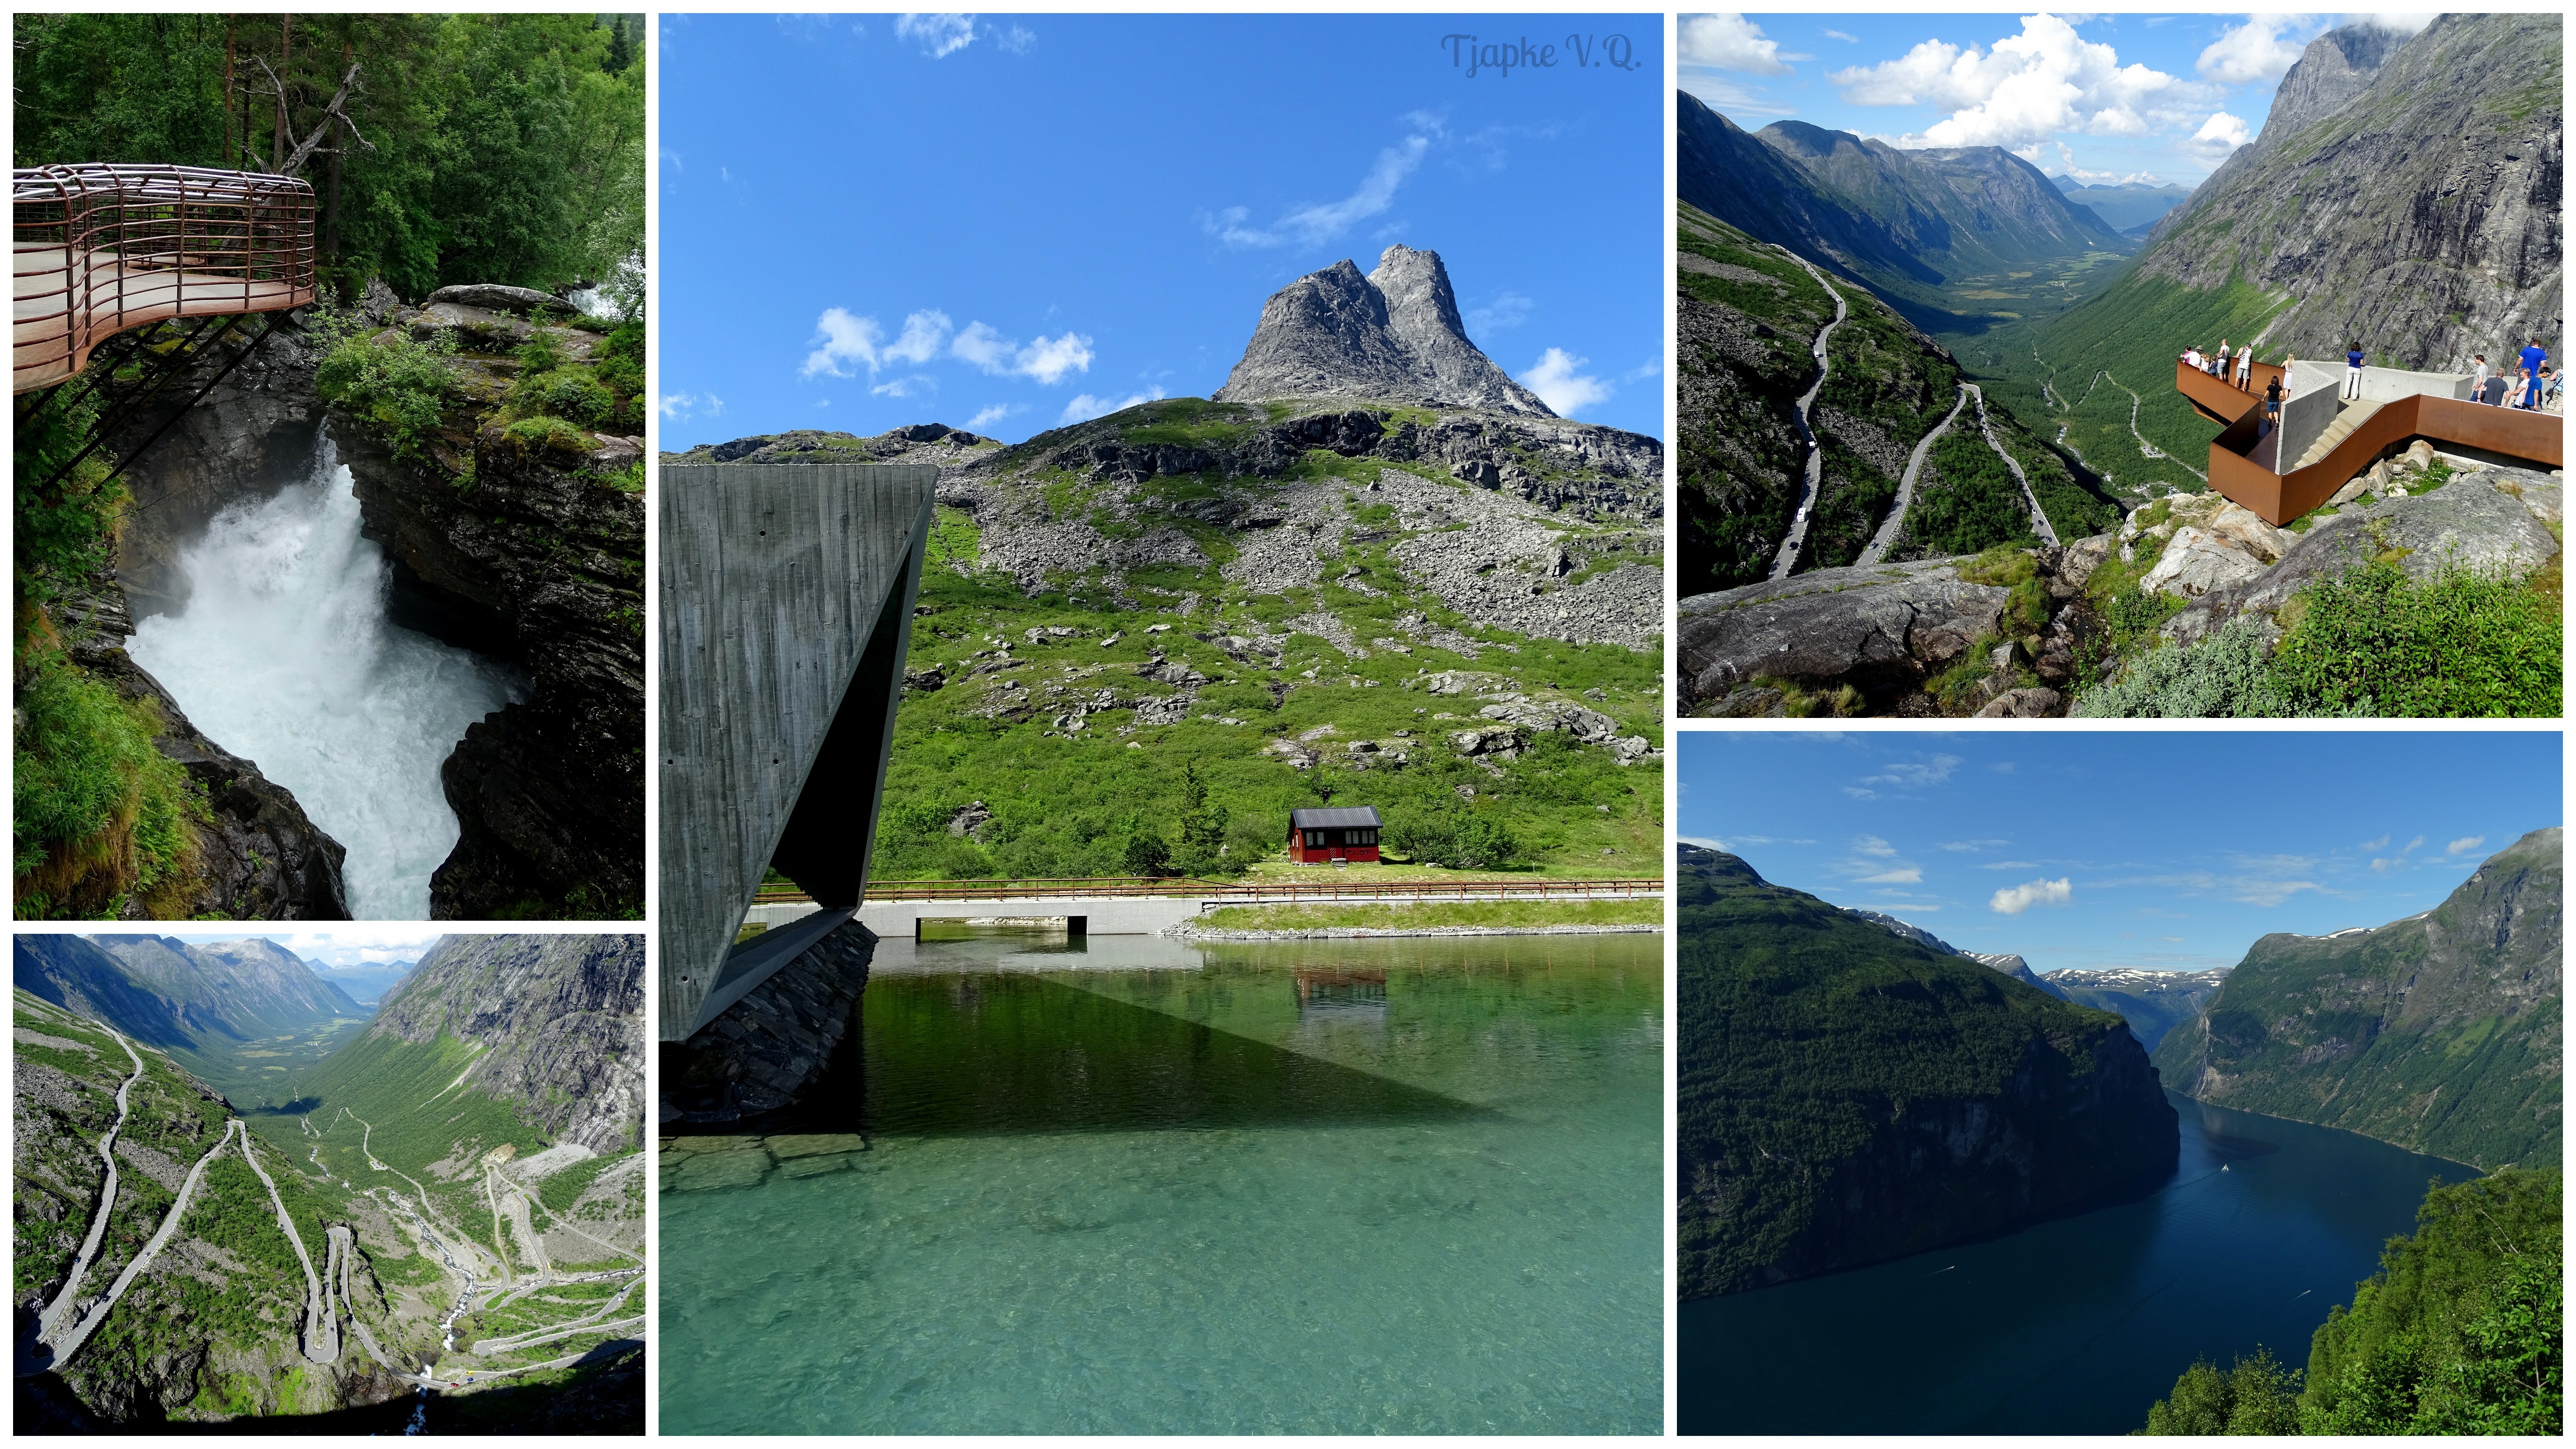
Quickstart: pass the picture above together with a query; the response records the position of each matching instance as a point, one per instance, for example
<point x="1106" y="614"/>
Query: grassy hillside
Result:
<point x="1807" y="1037"/>
<point x="1740" y="380"/>
<point x="2441" y="1033"/>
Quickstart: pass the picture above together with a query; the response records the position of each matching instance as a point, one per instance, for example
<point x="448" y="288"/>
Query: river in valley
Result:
<point x="2077" y="1325"/>
<point x="284" y="656"/>
<point x="1404" y="1186"/>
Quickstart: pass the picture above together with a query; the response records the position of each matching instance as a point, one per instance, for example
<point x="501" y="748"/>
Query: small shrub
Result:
<point x="544" y="435"/>
<point x="2002" y="565"/>
<point x="568" y="393"/>
<point x="542" y="352"/>
<point x="1147" y="855"/>
<point x="2224" y="676"/>
<point x="2376" y="641"/>
<point x="398" y="384"/>
<point x="98" y="813"/>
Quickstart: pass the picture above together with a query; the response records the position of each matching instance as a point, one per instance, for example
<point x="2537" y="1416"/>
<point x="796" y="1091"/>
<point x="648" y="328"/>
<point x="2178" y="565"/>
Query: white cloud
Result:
<point x="1016" y="40"/>
<point x="2380" y="844"/>
<point x="2013" y="900"/>
<point x="1729" y="42"/>
<point x="1315" y="224"/>
<point x="1554" y="377"/>
<point x="2027" y="89"/>
<point x="1704" y="842"/>
<point x="2409" y="23"/>
<point x="1508" y="309"/>
<point x="2218" y="137"/>
<point x="2258" y="50"/>
<point x="1047" y="359"/>
<point x="2464" y="843"/>
<point x="1085" y="407"/>
<point x="682" y="406"/>
<point x="2269" y="892"/>
<point x="1901" y="875"/>
<point x="912" y="386"/>
<point x="1972" y="846"/>
<point x="939" y="36"/>
<point x="990" y="415"/>
<point x="1872" y="845"/>
<point x="845" y="339"/>
<point x="1845" y="39"/>
<point x="1914" y="774"/>
<point x="923" y="332"/>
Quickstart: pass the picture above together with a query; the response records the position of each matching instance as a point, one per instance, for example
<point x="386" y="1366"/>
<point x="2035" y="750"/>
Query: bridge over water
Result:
<point x="1133" y="906"/>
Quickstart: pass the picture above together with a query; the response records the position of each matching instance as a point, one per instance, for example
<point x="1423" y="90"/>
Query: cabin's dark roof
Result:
<point x="1364" y="816"/>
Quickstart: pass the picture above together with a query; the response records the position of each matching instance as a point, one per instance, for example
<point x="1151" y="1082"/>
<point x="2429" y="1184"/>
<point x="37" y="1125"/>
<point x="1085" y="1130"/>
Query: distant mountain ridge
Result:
<point x="2441" y="1032"/>
<point x="1393" y="336"/>
<point x="175" y="994"/>
<point x="2152" y="1002"/>
<point x="2010" y="965"/>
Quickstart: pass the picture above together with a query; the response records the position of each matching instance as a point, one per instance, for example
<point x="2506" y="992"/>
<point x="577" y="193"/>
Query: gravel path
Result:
<point x="2038" y="516"/>
<point x="51" y="1320"/>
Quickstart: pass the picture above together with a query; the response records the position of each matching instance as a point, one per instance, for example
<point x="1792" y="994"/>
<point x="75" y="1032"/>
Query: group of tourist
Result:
<point x="2217" y="364"/>
<point x="2533" y="386"/>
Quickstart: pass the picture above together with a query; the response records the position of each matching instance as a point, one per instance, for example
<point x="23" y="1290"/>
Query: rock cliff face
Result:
<point x="1391" y="336"/>
<point x="236" y="989"/>
<point x="1850" y="1096"/>
<point x="542" y="562"/>
<point x="560" y="1020"/>
<point x="2405" y="193"/>
<point x="2440" y="1032"/>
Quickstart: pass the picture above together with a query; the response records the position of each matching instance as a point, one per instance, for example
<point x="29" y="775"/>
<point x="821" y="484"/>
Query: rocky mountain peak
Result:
<point x="559" y="1021"/>
<point x="2334" y="68"/>
<point x="1393" y="335"/>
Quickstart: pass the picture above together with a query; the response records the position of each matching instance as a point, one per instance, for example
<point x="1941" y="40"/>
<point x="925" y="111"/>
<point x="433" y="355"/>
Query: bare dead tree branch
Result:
<point x="337" y="110"/>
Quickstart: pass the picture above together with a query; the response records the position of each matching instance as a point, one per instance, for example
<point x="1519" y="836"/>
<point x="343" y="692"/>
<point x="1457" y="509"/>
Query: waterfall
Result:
<point x="283" y="655"/>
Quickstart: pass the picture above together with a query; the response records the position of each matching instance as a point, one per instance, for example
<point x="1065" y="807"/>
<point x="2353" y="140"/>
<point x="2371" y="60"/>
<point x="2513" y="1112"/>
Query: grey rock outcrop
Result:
<point x="2415" y="204"/>
<point x="560" y="1020"/>
<point x="492" y="297"/>
<point x="1883" y="630"/>
<point x="1393" y="335"/>
<point x="760" y="1055"/>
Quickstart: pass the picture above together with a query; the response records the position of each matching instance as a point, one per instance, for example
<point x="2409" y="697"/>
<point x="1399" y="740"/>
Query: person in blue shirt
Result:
<point x="2534" y="358"/>
<point x="2352" y="373"/>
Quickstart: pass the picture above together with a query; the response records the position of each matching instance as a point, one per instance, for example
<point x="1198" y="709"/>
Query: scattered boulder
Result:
<point x="2196" y="561"/>
<point x="1882" y="629"/>
<point x="969" y="819"/>
<point x="492" y="297"/>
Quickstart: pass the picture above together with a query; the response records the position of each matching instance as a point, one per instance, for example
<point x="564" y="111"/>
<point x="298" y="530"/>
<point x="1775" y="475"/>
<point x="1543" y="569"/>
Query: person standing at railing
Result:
<point x="2534" y="358"/>
<point x="2226" y="355"/>
<point x="2478" y="380"/>
<point x="2272" y="402"/>
<point x="2245" y="370"/>
<point x="2352" y="373"/>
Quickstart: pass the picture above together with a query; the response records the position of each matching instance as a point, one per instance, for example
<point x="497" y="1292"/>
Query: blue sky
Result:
<point x="2104" y="98"/>
<point x="1011" y="223"/>
<point x="2163" y="850"/>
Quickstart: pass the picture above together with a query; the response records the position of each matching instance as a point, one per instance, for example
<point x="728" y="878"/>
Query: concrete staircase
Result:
<point x="2353" y="416"/>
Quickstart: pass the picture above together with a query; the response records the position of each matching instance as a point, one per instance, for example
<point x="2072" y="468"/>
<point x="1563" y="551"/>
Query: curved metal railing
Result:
<point x="98" y="250"/>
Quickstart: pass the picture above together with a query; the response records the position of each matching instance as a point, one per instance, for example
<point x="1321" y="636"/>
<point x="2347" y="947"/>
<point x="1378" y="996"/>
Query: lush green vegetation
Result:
<point x="100" y="815"/>
<point x="1213" y="791"/>
<point x="1429" y="915"/>
<point x="499" y="148"/>
<point x="1965" y="500"/>
<point x="2420" y="1058"/>
<point x="1803" y="1032"/>
<point x="560" y="1190"/>
<point x="406" y="1091"/>
<point x="398" y="383"/>
<point x="2372" y="641"/>
<point x="1883" y="375"/>
<point x="1741" y="467"/>
<point x="2461" y="1331"/>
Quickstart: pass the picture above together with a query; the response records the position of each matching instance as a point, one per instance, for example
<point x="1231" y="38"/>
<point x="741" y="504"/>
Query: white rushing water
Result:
<point x="284" y="656"/>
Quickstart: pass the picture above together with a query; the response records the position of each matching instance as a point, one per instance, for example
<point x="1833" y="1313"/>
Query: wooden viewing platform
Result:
<point x="99" y="250"/>
<point x="2245" y="463"/>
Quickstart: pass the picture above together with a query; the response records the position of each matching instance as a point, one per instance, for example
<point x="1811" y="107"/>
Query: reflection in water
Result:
<point x="1150" y="1187"/>
<point x="2072" y="1326"/>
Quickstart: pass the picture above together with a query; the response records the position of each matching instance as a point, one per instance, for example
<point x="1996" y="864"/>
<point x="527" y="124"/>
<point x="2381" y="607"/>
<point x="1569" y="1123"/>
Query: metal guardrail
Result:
<point x="98" y="250"/>
<point x="1113" y="887"/>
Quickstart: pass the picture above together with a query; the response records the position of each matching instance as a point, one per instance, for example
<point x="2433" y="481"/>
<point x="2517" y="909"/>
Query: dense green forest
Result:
<point x="1808" y="1035"/>
<point x="2461" y="1331"/>
<point x="1965" y="500"/>
<point x="478" y="148"/>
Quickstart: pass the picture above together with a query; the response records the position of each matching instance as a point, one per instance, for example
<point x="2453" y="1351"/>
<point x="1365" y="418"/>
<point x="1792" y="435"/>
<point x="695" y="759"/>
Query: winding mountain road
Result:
<point x="69" y="1343"/>
<point x="51" y="1319"/>
<point x="321" y="1333"/>
<point x="2144" y="447"/>
<point x="1796" y="541"/>
<point x="2038" y="516"/>
<point x="1877" y="550"/>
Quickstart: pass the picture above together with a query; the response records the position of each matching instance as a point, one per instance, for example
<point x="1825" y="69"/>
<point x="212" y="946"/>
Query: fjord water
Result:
<point x="1389" y="1186"/>
<point x="2077" y="1325"/>
<point x="284" y="656"/>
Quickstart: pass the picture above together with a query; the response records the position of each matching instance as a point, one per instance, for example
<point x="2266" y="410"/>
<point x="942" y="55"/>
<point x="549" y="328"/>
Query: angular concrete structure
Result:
<point x="786" y="598"/>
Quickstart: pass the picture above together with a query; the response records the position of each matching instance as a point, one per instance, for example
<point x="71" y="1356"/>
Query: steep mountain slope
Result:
<point x="1729" y="173"/>
<point x="2010" y="965"/>
<point x="552" y="1027"/>
<point x="1849" y="1096"/>
<point x="240" y="988"/>
<point x="2404" y="193"/>
<point x="1965" y="210"/>
<point x="1164" y="628"/>
<point x="2440" y="1032"/>
<point x="2152" y="1002"/>
<point x="253" y="1267"/>
<point x="74" y="974"/>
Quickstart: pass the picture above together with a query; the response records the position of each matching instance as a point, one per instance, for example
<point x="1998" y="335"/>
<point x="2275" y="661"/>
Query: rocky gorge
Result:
<point x="527" y="556"/>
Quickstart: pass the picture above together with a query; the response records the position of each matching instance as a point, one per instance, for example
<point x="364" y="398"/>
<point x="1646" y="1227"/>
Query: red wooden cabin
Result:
<point x="1318" y="836"/>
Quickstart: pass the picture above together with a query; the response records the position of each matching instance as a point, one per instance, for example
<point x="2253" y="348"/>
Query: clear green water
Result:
<point x="1329" y="1187"/>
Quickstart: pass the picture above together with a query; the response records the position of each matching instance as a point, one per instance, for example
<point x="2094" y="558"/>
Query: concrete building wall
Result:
<point x="777" y="583"/>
